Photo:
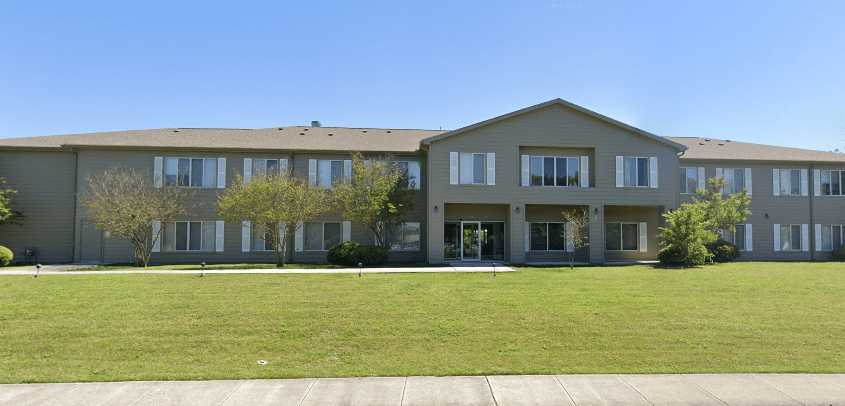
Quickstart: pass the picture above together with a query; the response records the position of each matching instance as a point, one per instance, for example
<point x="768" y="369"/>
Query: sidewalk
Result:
<point x="29" y="271"/>
<point x="702" y="389"/>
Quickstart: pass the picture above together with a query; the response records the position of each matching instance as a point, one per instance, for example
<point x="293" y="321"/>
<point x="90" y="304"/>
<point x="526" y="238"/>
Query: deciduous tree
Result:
<point x="578" y="222"/>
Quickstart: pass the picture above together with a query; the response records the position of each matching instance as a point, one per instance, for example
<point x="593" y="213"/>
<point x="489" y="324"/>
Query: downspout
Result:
<point x="76" y="238"/>
<point x="812" y="226"/>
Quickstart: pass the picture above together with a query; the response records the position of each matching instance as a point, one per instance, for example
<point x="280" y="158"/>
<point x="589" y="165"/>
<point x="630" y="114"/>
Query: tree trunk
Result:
<point x="281" y="243"/>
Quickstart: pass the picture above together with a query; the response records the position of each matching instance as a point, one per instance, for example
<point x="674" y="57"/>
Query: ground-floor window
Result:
<point x="321" y="236"/>
<point x="831" y="236"/>
<point x="547" y="236"/>
<point x="264" y="237"/>
<point x="739" y="237"/>
<point x="406" y="237"/>
<point x="190" y="236"/>
<point x="790" y="237"/>
<point x="622" y="236"/>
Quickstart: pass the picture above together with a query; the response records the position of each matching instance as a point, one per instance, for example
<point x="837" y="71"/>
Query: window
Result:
<point x="622" y="236"/>
<point x="739" y="237"/>
<point x="831" y="237"/>
<point x="410" y="171"/>
<point x="837" y="236"/>
<point x="790" y="181"/>
<point x="321" y="236"/>
<point x="735" y="180"/>
<point x="554" y="171"/>
<point x="790" y="237"/>
<point x="406" y="237"/>
<point x="190" y="236"/>
<point x="190" y="172"/>
<point x="267" y="166"/>
<point x="472" y="168"/>
<point x="329" y="172"/>
<point x="689" y="180"/>
<point x="547" y="237"/>
<point x="636" y="171"/>
<point x="264" y="237"/>
<point x="832" y="182"/>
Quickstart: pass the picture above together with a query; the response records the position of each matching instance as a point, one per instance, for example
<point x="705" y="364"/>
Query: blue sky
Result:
<point x="769" y="72"/>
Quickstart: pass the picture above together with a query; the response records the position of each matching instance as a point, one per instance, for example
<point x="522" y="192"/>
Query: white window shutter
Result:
<point x="247" y="170"/>
<point x="527" y="234"/>
<point x="804" y="183"/>
<point x="584" y="171"/>
<point x="525" y="173"/>
<point x="157" y="236"/>
<point x="453" y="168"/>
<point x="817" y="182"/>
<point x="776" y="182"/>
<point x="620" y="171"/>
<point x="283" y="166"/>
<point x="414" y="173"/>
<point x="777" y="237"/>
<point x="347" y="170"/>
<point x="346" y="227"/>
<point x="818" y="240"/>
<point x="701" y="178"/>
<point x="246" y="234"/>
<point x="805" y="237"/>
<point x="219" y="226"/>
<point x="748" y="185"/>
<point x="312" y="172"/>
<point x="749" y="238"/>
<point x="158" y="169"/>
<point x="567" y="232"/>
<point x="643" y="237"/>
<point x="221" y="173"/>
<point x="298" y="239"/>
<point x="491" y="168"/>
<point x="652" y="176"/>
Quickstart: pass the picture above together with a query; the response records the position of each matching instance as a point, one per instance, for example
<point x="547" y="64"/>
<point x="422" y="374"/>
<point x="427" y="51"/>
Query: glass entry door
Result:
<point x="470" y="241"/>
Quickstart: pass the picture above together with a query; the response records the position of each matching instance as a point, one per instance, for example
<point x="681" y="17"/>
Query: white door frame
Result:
<point x="478" y="241"/>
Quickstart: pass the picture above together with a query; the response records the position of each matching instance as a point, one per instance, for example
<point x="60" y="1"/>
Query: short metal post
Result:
<point x="360" y="269"/>
<point x="37" y="270"/>
<point x="202" y="273"/>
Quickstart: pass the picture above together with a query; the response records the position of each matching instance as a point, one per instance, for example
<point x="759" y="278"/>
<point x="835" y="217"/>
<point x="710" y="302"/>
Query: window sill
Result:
<point x="636" y="250"/>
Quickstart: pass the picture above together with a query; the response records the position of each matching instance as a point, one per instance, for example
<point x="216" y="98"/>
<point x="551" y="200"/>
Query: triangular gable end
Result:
<point x="673" y="144"/>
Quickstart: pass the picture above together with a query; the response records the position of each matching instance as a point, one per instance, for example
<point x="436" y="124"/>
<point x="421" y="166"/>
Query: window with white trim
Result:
<point x="832" y="182"/>
<point x="622" y="236"/>
<point x="190" y="172"/>
<point x="472" y="169"/>
<point x="790" y="237"/>
<point x="410" y="174"/>
<point x="689" y="180"/>
<point x="739" y="237"/>
<point x="554" y="170"/>
<point x="790" y="182"/>
<point x="261" y="166"/>
<point x="547" y="236"/>
<point x="264" y="237"/>
<point x="637" y="171"/>
<point x="831" y="236"/>
<point x="321" y="236"/>
<point x="188" y="236"/>
<point x="329" y="172"/>
<point x="406" y="237"/>
<point x="735" y="180"/>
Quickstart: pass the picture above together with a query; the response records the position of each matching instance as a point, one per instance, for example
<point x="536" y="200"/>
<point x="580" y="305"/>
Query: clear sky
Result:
<point x="768" y="71"/>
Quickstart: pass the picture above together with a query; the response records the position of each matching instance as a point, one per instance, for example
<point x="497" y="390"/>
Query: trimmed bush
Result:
<point x="350" y="253"/>
<point x="6" y="256"/>
<point x="671" y="256"/>
<point x="723" y="251"/>
<point x="839" y="254"/>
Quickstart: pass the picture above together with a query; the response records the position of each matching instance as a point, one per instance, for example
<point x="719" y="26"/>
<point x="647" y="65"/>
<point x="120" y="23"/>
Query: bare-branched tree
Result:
<point x="125" y="203"/>
<point x="577" y="225"/>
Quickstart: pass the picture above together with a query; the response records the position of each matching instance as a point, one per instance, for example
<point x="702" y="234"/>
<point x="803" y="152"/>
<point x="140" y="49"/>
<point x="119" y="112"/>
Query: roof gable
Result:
<point x="560" y="102"/>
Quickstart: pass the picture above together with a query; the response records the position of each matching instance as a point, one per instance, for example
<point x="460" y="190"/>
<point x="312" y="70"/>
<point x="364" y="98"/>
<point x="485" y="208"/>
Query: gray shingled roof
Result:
<point x="280" y="138"/>
<point x="721" y="150"/>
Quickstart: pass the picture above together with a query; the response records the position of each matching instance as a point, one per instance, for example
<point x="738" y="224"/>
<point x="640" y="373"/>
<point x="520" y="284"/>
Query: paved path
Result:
<point x="721" y="389"/>
<point x="29" y="271"/>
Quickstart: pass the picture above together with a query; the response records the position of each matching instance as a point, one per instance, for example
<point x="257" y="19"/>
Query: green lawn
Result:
<point x="745" y="317"/>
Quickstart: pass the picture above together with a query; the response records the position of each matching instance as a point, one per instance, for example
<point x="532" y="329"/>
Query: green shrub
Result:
<point x="723" y="251"/>
<point x="350" y="253"/>
<point x="839" y="254"/>
<point x="6" y="256"/>
<point x="671" y="256"/>
<point x="684" y="239"/>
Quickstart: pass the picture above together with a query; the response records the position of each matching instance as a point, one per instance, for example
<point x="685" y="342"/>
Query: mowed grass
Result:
<point x="744" y="317"/>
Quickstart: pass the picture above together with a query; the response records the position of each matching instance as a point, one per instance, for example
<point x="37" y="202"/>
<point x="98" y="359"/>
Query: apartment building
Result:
<point x="491" y="191"/>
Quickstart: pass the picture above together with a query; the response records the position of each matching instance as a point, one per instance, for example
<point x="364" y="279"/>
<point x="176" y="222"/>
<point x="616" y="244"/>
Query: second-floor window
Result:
<point x="636" y="171"/>
<point x="736" y="179"/>
<point x="190" y="172"/>
<point x="262" y="166"/>
<point x="410" y="171"/>
<point x="789" y="182"/>
<point x="554" y="171"/>
<point x="832" y="181"/>
<point x="329" y="172"/>
<point x="691" y="180"/>
<point x="472" y="168"/>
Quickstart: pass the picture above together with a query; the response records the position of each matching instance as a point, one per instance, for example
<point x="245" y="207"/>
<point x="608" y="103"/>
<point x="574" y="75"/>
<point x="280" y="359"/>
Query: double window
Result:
<point x="190" y="172"/>
<point x="472" y="168"/>
<point x="190" y="236"/>
<point x="788" y="182"/>
<point x="735" y="180"/>
<point x="264" y="237"/>
<point x="406" y="237"/>
<point x="321" y="236"/>
<point x="410" y="172"/>
<point x="832" y="182"/>
<point x="262" y="166"/>
<point x="554" y="171"/>
<point x="548" y="236"/>
<point x="831" y="236"/>
<point x="329" y="172"/>
<point x="689" y="180"/>
<point x="622" y="236"/>
<point x="790" y="237"/>
<point x="637" y="171"/>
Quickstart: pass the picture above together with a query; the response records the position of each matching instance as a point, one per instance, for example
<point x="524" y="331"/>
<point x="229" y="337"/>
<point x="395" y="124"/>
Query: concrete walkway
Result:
<point x="722" y="389"/>
<point x="47" y="270"/>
